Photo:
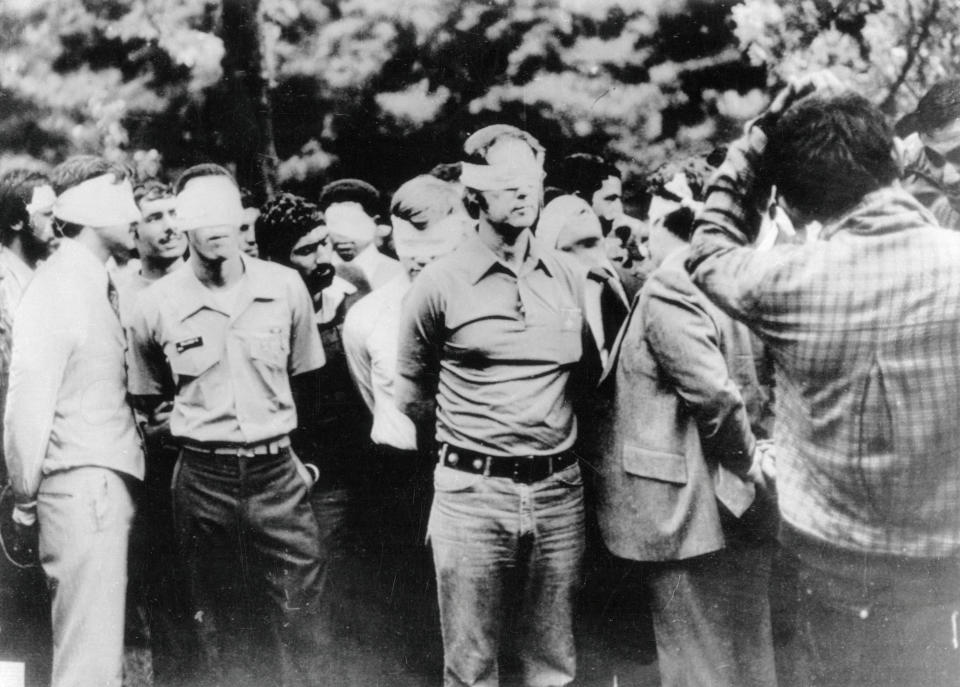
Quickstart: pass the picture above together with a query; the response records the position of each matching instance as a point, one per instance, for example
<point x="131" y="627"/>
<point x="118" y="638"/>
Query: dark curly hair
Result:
<point x="282" y="222"/>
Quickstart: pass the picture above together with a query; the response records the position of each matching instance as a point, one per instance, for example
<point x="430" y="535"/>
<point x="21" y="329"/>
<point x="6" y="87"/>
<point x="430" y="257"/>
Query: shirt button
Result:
<point x="864" y="613"/>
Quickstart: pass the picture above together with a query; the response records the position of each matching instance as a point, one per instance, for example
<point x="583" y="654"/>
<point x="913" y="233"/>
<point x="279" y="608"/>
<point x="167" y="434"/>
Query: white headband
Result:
<point x="42" y="199"/>
<point x="437" y="239"/>
<point x="209" y="201"/>
<point x="498" y="177"/>
<point x="98" y="202"/>
<point x="557" y="214"/>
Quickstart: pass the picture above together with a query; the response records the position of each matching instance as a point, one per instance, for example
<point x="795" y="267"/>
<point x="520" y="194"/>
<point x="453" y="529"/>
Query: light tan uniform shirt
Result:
<point x="228" y="361"/>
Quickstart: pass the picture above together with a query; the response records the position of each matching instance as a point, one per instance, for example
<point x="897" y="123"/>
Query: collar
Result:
<point x="367" y="256"/>
<point x="330" y="299"/>
<point x="883" y="211"/>
<point x="481" y="261"/>
<point x="256" y="284"/>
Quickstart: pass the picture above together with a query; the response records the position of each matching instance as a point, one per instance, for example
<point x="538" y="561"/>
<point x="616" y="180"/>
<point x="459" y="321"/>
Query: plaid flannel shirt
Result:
<point x="864" y="329"/>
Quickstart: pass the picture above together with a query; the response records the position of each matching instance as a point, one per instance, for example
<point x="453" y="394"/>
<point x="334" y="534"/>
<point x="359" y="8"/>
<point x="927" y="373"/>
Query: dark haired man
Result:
<point x="70" y="438"/>
<point x="676" y="485"/>
<point x="248" y="230"/>
<point x="596" y="181"/>
<point x="26" y="238"/>
<point x="291" y="232"/>
<point x="232" y="340"/>
<point x="351" y="208"/>
<point x="489" y="338"/>
<point x="26" y="229"/>
<point x="929" y="151"/>
<point x="863" y="329"/>
<point x="600" y="184"/>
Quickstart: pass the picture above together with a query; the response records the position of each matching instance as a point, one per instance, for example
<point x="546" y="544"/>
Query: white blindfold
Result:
<point x="209" y="201"/>
<point x="349" y="220"/>
<point x="99" y="202"/>
<point x="500" y="177"/>
<point x="436" y="240"/>
<point x="42" y="200"/>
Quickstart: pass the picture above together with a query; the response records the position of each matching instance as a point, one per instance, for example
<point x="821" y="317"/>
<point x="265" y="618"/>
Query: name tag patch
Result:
<point x="187" y="344"/>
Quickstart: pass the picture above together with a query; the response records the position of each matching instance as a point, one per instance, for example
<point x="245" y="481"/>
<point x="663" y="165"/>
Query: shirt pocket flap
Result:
<point x="658" y="465"/>
<point x="269" y="347"/>
<point x="193" y="362"/>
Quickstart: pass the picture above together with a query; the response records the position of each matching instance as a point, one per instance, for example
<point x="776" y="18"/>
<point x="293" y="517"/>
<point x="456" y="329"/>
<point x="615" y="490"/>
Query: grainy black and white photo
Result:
<point x="480" y="343"/>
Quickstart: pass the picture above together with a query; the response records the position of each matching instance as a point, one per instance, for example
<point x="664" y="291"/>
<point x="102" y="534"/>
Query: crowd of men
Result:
<point x="753" y="396"/>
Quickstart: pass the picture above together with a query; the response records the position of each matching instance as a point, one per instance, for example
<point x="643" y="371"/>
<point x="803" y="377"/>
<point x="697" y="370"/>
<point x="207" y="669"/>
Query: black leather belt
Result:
<point x="523" y="469"/>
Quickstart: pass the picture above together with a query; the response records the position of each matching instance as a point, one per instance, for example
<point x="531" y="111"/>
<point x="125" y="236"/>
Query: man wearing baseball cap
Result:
<point x="71" y="443"/>
<point x="231" y="339"/>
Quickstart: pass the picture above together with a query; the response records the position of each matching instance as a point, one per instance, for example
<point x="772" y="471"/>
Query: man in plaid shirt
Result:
<point x="864" y="328"/>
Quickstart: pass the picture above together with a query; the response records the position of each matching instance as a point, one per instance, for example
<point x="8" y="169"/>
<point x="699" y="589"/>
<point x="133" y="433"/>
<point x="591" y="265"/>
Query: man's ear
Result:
<point x="18" y="226"/>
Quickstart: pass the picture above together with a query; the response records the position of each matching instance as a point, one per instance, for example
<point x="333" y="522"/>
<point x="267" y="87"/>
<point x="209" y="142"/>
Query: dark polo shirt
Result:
<point x="495" y="349"/>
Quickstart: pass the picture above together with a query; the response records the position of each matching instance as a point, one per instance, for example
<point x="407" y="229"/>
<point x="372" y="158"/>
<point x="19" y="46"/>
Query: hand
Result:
<point x="797" y="89"/>
<point x="765" y="457"/>
<point x="615" y="250"/>
<point x="157" y="426"/>
<point x="19" y="535"/>
<point x="25" y="545"/>
<point x="309" y="473"/>
<point x="823" y="81"/>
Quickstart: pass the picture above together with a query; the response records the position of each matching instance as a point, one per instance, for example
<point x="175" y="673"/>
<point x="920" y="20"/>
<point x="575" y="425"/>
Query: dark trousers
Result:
<point x="157" y="576"/>
<point x="871" y="620"/>
<point x="25" y="634"/>
<point x="252" y="548"/>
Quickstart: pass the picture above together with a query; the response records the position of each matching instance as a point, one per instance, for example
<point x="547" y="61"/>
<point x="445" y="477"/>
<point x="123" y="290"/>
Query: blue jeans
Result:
<point x="495" y="540"/>
<point x="251" y="545"/>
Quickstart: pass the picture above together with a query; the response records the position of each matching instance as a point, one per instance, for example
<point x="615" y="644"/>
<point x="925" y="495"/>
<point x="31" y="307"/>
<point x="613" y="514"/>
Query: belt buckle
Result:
<point x="523" y="470"/>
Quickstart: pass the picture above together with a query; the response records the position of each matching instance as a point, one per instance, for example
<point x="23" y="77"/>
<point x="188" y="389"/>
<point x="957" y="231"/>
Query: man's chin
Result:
<point x="320" y="278"/>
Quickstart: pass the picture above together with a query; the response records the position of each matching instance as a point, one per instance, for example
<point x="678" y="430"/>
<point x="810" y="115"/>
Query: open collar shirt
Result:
<point x="370" y="334"/>
<point x="864" y="330"/>
<point x="67" y="403"/>
<point x="495" y="348"/>
<point x="377" y="267"/>
<point x="228" y="365"/>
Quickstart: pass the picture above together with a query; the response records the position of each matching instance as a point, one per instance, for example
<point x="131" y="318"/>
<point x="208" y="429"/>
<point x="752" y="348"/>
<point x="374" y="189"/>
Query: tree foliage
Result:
<point x="384" y="89"/>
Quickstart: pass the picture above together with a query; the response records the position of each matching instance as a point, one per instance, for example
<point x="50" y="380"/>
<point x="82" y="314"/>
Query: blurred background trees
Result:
<point x="294" y="92"/>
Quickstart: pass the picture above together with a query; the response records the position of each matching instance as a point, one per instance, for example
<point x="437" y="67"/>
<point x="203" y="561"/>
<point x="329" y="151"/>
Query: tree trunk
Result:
<point x="250" y="138"/>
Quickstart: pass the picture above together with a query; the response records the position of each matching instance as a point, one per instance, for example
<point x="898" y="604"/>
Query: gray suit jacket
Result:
<point x="676" y="433"/>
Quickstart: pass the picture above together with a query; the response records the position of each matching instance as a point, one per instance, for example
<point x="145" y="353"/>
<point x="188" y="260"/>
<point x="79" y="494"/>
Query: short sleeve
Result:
<point x="418" y="351"/>
<point x="146" y="364"/>
<point x="306" y="350"/>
